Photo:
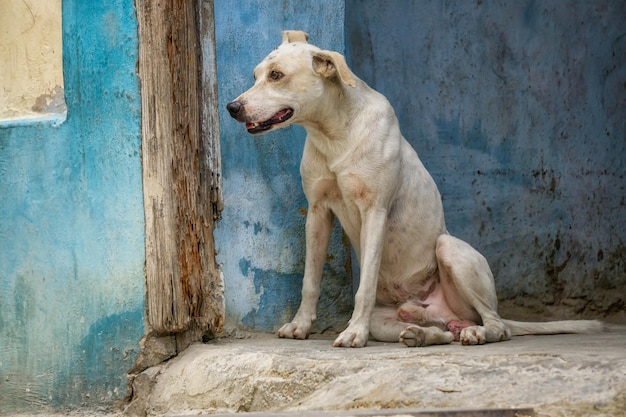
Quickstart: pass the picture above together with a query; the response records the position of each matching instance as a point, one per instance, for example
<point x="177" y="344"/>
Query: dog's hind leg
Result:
<point x="385" y="327"/>
<point x="384" y="324"/>
<point x="470" y="290"/>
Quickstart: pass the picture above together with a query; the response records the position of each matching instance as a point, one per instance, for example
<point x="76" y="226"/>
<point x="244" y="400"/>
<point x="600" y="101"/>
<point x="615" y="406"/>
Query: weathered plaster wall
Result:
<point x="518" y="109"/>
<point x="31" y="74"/>
<point x="71" y="226"/>
<point x="260" y="239"/>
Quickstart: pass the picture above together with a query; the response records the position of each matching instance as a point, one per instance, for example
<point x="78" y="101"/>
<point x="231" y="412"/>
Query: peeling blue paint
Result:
<point x="257" y="227"/>
<point x="272" y="287"/>
<point x="279" y="298"/>
<point x="110" y="343"/>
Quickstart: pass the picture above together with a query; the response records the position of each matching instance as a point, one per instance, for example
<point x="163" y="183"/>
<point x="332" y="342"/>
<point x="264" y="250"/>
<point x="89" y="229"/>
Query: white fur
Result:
<point x="358" y="167"/>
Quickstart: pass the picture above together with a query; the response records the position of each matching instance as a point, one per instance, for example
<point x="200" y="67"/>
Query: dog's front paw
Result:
<point x="294" y="330"/>
<point x="353" y="336"/>
<point x="413" y="336"/>
<point x="473" y="335"/>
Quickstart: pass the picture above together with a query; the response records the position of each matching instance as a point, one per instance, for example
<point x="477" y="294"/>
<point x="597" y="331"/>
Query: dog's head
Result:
<point x="289" y="83"/>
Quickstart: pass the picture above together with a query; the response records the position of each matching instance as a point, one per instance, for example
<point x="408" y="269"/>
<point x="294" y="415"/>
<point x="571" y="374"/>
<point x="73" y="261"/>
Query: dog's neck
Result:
<point x="330" y="125"/>
<point x="335" y="127"/>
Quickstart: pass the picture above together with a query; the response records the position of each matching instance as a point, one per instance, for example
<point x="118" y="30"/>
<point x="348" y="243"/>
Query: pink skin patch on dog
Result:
<point x="405" y="316"/>
<point x="455" y="326"/>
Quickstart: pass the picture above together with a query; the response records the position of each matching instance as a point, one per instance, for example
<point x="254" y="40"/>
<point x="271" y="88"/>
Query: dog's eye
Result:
<point x="275" y="75"/>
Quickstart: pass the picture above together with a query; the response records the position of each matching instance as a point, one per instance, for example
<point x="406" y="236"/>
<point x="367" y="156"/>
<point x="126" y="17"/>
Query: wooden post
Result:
<point x="180" y="149"/>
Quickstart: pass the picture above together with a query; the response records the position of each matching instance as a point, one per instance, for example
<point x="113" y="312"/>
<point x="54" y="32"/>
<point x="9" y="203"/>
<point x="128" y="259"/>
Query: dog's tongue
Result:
<point x="278" y="117"/>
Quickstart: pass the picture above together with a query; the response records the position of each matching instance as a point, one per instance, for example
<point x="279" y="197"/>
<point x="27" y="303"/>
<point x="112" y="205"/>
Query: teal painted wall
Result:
<point x="71" y="226"/>
<point x="260" y="239"/>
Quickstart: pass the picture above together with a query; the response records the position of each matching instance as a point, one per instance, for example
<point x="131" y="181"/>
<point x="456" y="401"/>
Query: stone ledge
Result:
<point x="517" y="412"/>
<point x="562" y="375"/>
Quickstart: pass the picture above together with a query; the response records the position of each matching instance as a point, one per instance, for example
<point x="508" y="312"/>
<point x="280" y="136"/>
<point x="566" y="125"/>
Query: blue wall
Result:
<point x="71" y="226"/>
<point x="260" y="239"/>
<point x="518" y="109"/>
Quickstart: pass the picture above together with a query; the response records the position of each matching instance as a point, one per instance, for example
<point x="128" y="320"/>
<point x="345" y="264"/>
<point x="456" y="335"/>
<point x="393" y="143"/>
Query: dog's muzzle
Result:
<point x="235" y="108"/>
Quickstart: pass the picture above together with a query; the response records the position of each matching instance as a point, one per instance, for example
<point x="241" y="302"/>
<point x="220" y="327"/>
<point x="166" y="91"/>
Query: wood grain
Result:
<point x="181" y="164"/>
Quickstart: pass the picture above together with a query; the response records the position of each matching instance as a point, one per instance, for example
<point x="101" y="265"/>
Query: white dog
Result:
<point x="418" y="284"/>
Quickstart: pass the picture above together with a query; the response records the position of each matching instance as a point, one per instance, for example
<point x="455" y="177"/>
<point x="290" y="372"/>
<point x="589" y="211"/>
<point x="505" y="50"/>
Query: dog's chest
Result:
<point x="339" y="197"/>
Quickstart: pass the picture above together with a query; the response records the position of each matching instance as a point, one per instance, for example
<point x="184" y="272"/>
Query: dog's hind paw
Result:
<point x="413" y="336"/>
<point x="473" y="335"/>
<point x="416" y="336"/>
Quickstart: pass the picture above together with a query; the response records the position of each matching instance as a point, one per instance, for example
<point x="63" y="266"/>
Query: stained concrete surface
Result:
<point x="396" y="413"/>
<point x="556" y="376"/>
<point x="560" y="375"/>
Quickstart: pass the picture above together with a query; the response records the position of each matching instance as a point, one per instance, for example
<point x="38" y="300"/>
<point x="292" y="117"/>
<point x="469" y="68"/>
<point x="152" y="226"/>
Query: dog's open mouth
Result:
<point x="280" y="117"/>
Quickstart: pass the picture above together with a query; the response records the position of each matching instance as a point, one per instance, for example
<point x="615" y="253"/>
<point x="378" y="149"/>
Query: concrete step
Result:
<point x="557" y="376"/>
<point x="512" y="412"/>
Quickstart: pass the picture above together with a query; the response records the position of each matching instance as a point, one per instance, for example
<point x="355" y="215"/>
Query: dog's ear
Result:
<point x="329" y="64"/>
<point x="295" y="36"/>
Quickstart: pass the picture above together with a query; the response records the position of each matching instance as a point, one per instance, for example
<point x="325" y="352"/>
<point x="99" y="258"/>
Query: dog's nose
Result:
<point x="234" y="107"/>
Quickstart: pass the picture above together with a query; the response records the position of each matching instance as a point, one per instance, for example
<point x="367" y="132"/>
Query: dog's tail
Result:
<point x="520" y="328"/>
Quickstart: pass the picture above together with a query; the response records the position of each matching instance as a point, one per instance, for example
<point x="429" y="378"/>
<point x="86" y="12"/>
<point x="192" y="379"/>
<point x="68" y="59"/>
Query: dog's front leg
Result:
<point x="371" y="240"/>
<point x="319" y="222"/>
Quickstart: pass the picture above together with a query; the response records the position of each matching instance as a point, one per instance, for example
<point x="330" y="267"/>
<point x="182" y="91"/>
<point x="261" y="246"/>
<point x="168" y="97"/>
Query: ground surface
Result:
<point x="563" y="375"/>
